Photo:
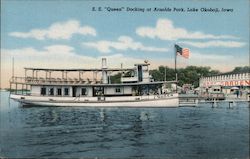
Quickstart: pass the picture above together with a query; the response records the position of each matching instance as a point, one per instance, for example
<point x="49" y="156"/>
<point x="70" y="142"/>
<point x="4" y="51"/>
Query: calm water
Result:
<point x="200" y="132"/>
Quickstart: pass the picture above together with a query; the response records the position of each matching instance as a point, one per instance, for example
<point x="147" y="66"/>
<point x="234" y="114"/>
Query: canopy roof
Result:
<point x="79" y="69"/>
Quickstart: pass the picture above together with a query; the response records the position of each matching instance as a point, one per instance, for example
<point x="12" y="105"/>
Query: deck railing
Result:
<point x="30" y="80"/>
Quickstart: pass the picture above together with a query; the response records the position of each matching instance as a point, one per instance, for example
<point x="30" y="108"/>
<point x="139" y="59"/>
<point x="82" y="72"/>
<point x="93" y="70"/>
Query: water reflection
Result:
<point x="201" y="132"/>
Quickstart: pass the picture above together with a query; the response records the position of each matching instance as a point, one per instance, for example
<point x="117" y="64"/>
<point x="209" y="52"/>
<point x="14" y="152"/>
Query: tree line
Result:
<point x="191" y="74"/>
<point x="188" y="75"/>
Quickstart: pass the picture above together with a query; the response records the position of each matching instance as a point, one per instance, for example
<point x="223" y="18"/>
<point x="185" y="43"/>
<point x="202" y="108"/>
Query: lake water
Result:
<point x="186" y="132"/>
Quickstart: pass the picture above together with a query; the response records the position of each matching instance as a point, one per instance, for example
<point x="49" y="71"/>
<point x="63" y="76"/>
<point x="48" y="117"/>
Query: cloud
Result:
<point x="212" y="57"/>
<point x="59" y="49"/>
<point x="58" y="30"/>
<point x="123" y="43"/>
<point x="165" y="30"/>
<point x="61" y="56"/>
<point x="48" y="52"/>
<point x="217" y="61"/>
<point x="64" y="56"/>
<point x="216" y="43"/>
<point x="56" y="56"/>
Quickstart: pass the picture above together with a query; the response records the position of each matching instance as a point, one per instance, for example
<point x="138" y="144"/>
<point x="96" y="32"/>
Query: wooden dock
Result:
<point x="190" y="100"/>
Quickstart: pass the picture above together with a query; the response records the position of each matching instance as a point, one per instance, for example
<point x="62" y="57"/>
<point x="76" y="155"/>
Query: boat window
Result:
<point x="118" y="90"/>
<point x="43" y="91"/>
<point x="59" y="91"/>
<point x="84" y="91"/>
<point x="216" y="90"/>
<point x="66" y="91"/>
<point x="51" y="91"/>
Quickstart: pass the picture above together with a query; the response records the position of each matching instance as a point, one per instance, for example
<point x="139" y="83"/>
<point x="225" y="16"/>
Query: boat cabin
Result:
<point x="72" y="82"/>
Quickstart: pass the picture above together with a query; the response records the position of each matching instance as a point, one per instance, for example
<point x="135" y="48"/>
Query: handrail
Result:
<point x="27" y="80"/>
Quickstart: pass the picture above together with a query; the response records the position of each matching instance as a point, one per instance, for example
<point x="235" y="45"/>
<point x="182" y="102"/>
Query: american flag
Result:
<point x="182" y="51"/>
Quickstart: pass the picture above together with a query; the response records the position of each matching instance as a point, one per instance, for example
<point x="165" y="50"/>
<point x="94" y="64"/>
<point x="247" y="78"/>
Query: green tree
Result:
<point x="244" y="69"/>
<point x="116" y="78"/>
<point x="188" y="75"/>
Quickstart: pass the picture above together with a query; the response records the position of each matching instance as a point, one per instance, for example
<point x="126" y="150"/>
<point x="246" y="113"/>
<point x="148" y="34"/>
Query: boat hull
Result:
<point x="132" y="101"/>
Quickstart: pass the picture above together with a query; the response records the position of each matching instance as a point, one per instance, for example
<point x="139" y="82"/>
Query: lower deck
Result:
<point x="134" y="95"/>
<point x="170" y="100"/>
<point x="94" y="91"/>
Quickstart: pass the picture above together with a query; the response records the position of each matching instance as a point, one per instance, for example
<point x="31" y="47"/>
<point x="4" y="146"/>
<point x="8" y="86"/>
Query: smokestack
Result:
<point x="104" y="63"/>
<point x="104" y="72"/>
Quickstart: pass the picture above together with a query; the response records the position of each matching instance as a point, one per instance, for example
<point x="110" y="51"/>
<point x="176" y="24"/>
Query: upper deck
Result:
<point x="74" y="82"/>
<point x="138" y="75"/>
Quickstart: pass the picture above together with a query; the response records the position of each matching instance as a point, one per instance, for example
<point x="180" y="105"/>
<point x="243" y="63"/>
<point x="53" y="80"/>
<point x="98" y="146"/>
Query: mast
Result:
<point x="13" y="67"/>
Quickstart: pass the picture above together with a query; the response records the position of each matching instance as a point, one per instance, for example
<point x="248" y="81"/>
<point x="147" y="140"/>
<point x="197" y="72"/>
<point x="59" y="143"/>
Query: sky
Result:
<point x="77" y="34"/>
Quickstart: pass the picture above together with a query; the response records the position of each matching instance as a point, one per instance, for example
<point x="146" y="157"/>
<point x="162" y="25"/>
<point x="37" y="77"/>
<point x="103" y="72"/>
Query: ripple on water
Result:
<point x="197" y="132"/>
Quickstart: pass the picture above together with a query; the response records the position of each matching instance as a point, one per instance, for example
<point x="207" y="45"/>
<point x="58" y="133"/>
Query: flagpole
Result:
<point x="165" y="78"/>
<point x="175" y="64"/>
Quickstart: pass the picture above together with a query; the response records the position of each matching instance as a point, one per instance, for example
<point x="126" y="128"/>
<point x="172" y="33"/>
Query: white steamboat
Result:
<point x="136" y="90"/>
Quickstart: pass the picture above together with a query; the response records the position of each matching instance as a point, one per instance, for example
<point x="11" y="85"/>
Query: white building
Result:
<point x="228" y="84"/>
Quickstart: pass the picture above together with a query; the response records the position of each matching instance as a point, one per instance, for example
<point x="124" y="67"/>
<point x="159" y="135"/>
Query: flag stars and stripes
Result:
<point x="184" y="52"/>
